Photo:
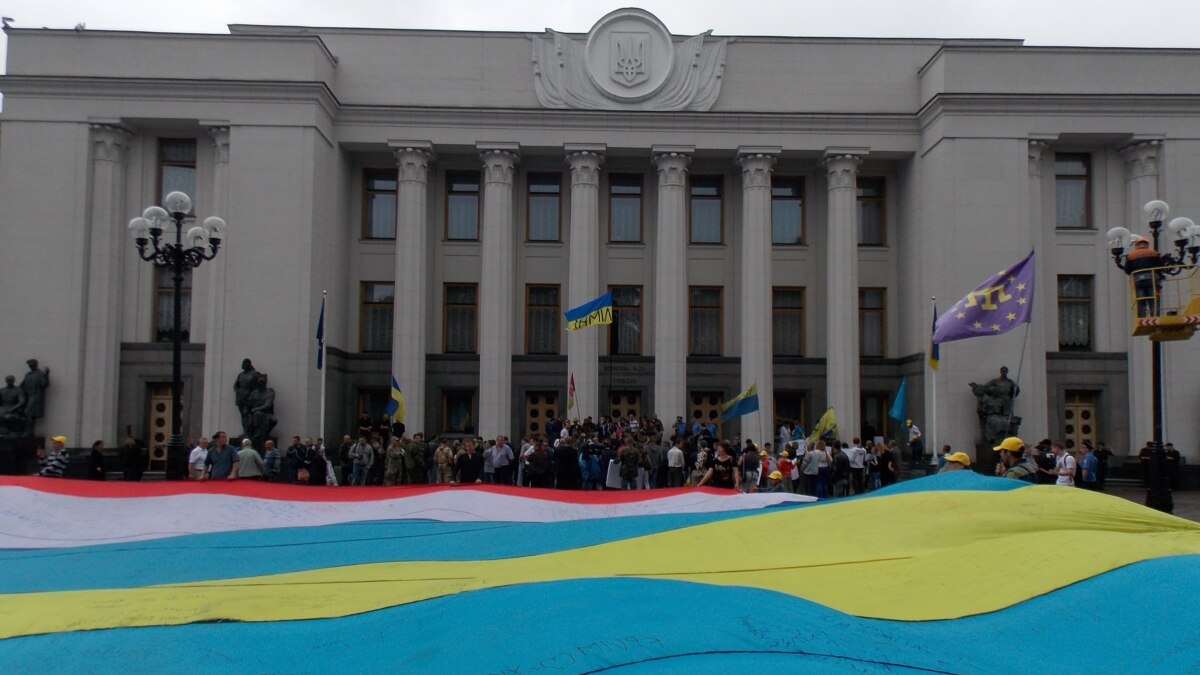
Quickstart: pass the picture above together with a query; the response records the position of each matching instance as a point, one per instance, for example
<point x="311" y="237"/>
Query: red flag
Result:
<point x="571" y="393"/>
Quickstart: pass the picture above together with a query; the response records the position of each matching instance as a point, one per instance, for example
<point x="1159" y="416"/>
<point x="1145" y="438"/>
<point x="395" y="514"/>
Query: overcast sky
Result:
<point x="1133" y="23"/>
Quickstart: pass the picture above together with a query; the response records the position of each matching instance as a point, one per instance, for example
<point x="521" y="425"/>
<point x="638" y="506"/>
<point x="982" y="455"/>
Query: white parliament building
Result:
<point x="776" y="211"/>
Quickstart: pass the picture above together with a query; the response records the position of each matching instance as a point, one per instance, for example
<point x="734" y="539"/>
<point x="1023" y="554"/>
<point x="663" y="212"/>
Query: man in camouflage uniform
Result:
<point x="395" y="462"/>
<point x="416" y="463"/>
<point x="443" y="459"/>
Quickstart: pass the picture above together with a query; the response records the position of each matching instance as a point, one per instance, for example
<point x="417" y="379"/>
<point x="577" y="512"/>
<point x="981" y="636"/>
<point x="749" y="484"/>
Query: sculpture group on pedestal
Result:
<point x="995" y="408"/>
<point x="255" y="402"/>
<point x="22" y="406"/>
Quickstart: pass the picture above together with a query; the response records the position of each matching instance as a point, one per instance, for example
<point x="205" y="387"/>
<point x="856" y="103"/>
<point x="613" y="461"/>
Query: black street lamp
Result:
<point x="147" y="231"/>
<point x="1157" y="317"/>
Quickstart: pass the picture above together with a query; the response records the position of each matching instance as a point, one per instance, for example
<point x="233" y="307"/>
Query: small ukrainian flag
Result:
<point x="594" y="312"/>
<point x="395" y="407"/>
<point x="742" y="404"/>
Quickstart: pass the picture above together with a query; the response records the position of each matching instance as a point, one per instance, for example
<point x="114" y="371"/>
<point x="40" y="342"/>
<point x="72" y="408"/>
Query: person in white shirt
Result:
<point x="858" y="457"/>
<point x="675" y="464"/>
<point x="1064" y="466"/>
<point x="196" y="459"/>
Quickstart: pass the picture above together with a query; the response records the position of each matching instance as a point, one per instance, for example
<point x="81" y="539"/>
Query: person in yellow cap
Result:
<point x="774" y="482"/>
<point x="1013" y="462"/>
<point x="784" y="466"/>
<point x="955" y="461"/>
<point x="54" y="463"/>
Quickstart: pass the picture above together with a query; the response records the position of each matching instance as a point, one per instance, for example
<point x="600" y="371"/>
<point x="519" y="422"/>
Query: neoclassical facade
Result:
<point x="769" y="211"/>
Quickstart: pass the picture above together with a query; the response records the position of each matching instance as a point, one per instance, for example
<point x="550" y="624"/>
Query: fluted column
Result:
<point x="670" y="283"/>
<point x="841" y="291"/>
<point x="583" y="281"/>
<point x="756" y="353"/>
<point x="410" y="311"/>
<point x="101" y="343"/>
<point x="219" y="371"/>
<point x="1032" y="405"/>
<point x="496" y="289"/>
<point x="1141" y="186"/>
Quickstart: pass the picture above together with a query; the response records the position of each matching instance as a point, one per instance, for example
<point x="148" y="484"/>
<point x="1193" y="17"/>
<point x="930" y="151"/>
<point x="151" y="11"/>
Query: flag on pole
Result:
<point x="395" y="407"/>
<point x="742" y="404"/>
<point x="321" y="337"/>
<point x="591" y="313"/>
<point x="897" y="411"/>
<point x="826" y="427"/>
<point x="571" y="393"/>
<point x="995" y="307"/>
<point x="934" y="350"/>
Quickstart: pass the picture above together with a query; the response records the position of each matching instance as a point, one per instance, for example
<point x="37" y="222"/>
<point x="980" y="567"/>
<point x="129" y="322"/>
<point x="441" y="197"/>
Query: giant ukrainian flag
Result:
<point x="253" y="577"/>
<point x="594" y="312"/>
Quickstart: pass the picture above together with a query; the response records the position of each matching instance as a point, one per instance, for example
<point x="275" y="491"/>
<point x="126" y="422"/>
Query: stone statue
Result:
<point x="995" y="408"/>
<point x="256" y="403"/>
<point x="262" y="413"/>
<point x="12" y="409"/>
<point x="34" y="386"/>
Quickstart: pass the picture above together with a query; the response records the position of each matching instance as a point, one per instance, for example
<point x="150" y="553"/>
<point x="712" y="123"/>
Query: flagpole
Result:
<point x="324" y="369"/>
<point x="933" y="426"/>
<point x="1017" y="382"/>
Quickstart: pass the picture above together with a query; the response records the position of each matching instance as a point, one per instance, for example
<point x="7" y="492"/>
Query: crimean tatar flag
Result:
<point x="742" y="404"/>
<point x="934" y="352"/>
<point x="996" y="306"/>
<point x="395" y="406"/>
<point x="321" y="337"/>
<point x="591" y="313"/>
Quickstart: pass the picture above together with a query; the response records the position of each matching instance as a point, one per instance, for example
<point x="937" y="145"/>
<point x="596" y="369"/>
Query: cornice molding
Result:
<point x="1076" y="105"/>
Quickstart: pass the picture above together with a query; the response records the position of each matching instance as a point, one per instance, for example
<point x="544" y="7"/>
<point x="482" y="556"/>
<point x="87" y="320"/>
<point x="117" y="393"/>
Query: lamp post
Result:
<point x="1147" y="268"/>
<point x="187" y="252"/>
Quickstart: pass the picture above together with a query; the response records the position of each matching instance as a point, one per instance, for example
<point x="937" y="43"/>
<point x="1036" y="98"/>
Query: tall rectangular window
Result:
<point x="625" y="332"/>
<point x="541" y="319"/>
<point x="462" y="205"/>
<point x="704" y="321"/>
<point x="705" y="212"/>
<point x="177" y="167"/>
<point x="458" y="412"/>
<point x="376" y="304"/>
<point x="164" y="304"/>
<point x="460" y="321"/>
<point x="379" y="204"/>
<point x="872" y="214"/>
<point x="624" y="207"/>
<point x="1072" y="190"/>
<point x="787" y="321"/>
<point x="787" y="211"/>
<point x="545" y="197"/>
<point x="872" y="325"/>
<point x="1075" y="313"/>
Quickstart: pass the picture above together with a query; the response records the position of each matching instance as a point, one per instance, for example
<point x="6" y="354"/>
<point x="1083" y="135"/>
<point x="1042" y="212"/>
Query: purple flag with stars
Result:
<point x="996" y="306"/>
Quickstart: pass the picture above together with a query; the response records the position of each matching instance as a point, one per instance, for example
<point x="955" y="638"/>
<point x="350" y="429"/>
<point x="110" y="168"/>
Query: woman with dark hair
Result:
<point x="96" y="462"/>
<point x="722" y="471"/>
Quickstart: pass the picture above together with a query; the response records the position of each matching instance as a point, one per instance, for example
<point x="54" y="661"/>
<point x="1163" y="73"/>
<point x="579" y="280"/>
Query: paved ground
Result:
<point x="1187" y="502"/>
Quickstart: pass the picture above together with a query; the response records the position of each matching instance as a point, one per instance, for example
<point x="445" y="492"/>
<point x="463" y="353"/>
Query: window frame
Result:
<point x="799" y="184"/>
<point x="446" y="315"/>
<point x="529" y="195"/>
<point x="718" y="180"/>
<point x="1090" y="301"/>
<point x="720" y="312"/>
<point x="880" y="199"/>
<point x="1088" y="223"/>
<point x="161" y="162"/>
<point x="883" y="327"/>
<point x="613" y="178"/>
<point x="363" y="304"/>
<point x="449" y="192"/>
<point x="615" y="326"/>
<point x="557" y="319"/>
<point x="802" y="311"/>
<point x="367" y="192"/>
<point x="169" y="289"/>
<point x="445" y="419"/>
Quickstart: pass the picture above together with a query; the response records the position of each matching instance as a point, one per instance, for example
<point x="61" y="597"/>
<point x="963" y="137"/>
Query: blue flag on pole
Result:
<point x="742" y="404"/>
<point x="899" y="405"/>
<point x="321" y="337"/>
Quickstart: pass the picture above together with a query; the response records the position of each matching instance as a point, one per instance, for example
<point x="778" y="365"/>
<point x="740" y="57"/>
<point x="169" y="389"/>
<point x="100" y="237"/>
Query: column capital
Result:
<point x="220" y="140"/>
<point x="842" y="166"/>
<point x="585" y="163"/>
<point x="1036" y="147"/>
<point x="1141" y="158"/>
<point x="109" y="142"/>
<point x="672" y="162"/>
<point x="499" y="160"/>
<point x="412" y="162"/>
<point x="757" y="166"/>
